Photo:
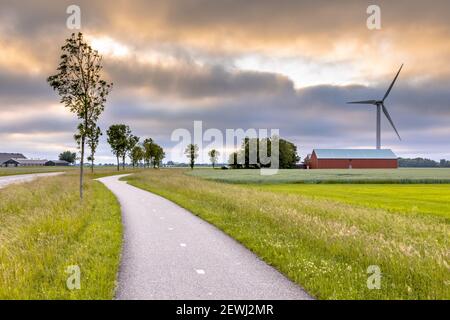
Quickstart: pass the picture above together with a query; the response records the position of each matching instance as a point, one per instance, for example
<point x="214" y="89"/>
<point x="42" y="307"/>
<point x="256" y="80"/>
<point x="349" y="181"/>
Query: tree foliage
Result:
<point x="137" y="154"/>
<point x="82" y="89"/>
<point x="248" y="156"/>
<point x="118" y="135"/>
<point x="213" y="156"/>
<point x="191" y="152"/>
<point x="68" y="156"/>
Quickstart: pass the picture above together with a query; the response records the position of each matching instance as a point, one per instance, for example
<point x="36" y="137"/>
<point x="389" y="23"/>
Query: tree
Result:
<point x="288" y="154"/>
<point x="147" y="144"/>
<point x="68" y="156"/>
<point x="81" y="87"/>
<point x="137" y="154"/>
<point x="250" y="154"/>
<point x="132" y="141"/>
<point x="192" y="153"/>
<point x="158" y="155"/>
<point x="93" y="134"/>
<point x="118" y="140"/>
<point x="213" y="156"/>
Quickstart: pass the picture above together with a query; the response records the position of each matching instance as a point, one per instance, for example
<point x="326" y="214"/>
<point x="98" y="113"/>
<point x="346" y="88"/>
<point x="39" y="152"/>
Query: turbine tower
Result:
<point x="380" y="106"/>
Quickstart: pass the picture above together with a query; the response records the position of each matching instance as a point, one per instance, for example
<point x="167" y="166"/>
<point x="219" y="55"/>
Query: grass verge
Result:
<point x="45" y="229"/>
<point x="323" y="245"/>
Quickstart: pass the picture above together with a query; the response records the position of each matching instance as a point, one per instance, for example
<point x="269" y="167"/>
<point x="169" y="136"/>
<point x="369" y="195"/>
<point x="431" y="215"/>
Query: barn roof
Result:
<point x="27" y="161"/>
<point x="58" y="161"/>
<point x="355" y="154"/>
<point x="6" y="156"/>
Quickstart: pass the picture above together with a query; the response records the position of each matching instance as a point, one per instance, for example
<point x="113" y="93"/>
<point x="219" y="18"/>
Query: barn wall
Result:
<point x="355" y="163"/>
<point x="313" y="161"/>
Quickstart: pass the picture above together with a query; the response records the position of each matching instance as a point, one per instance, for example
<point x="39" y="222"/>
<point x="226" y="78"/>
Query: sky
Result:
<point x="286" y="65"/>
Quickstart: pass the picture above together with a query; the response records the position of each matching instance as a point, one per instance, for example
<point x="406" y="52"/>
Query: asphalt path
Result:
<point x="169" y="253"/>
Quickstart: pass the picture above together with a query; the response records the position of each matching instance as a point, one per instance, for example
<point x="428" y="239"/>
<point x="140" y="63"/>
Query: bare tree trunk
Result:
<point x="118" y="166"/>
<point x="123" y="162"/>
<point x="92" y="165"/>
<point x="81" y="167"/>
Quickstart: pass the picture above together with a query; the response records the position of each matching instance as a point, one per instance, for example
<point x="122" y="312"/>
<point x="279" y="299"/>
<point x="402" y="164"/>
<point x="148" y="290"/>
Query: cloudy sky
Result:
<point x="287" y="65"/>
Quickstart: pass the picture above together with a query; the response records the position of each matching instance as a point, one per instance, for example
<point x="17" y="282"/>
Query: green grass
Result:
<point x="45" y="228"/>
<point x="324" y="245"/>
<point x="410" y="199"/>
<point x="425" y="175"/>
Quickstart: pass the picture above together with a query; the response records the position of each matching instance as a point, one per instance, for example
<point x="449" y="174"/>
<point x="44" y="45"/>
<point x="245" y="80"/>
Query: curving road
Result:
<point x="169" y="253"/>
<point x="7" y="180"/>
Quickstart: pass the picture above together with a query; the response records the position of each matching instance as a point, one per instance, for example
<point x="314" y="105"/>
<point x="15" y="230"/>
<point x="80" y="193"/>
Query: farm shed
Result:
<point x="52" y="163"/>
<point x="16" y="162"/>
<point x="353" y="158"/>
<point x="7" y="156"/>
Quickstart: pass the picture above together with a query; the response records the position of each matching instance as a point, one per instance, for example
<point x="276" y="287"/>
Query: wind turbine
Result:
<point x="380" y="106"/>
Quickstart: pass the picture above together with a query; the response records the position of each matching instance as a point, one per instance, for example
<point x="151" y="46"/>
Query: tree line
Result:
<point x="423" y="163"/>
<point x="79" y="82"/>
<point x="123" y="143"/>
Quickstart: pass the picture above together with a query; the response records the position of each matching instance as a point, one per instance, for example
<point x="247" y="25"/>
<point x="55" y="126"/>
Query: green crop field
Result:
<point x="420" y="175"/>
<point x="324" y="239"/>
<point x="409" y="199"/>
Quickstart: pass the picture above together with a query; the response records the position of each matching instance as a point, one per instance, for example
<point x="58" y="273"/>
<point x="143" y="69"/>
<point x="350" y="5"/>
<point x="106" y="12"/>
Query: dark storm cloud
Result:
<point x="194" y="81"/>
<point x="16" y="88"/>
<point x="46" y="124"/>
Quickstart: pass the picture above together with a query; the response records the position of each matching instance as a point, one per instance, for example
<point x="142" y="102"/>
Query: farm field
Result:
<point x="45" y="229"/>
<point x="27" y="170"/>
<point x="402" y="175"/>
<point x="324" y="244"/>
<point x="409" y="199"/>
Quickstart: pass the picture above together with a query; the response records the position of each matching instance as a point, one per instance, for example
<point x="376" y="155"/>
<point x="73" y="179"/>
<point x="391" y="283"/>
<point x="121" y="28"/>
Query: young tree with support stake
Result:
<point x="81" y="87"/>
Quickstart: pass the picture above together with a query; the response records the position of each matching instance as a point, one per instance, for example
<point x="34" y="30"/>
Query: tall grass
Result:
<point x="325" y="246"/>
<point x="45" y="229"/>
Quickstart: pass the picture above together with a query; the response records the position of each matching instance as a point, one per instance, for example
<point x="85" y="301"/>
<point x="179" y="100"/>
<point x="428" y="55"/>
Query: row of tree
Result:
<point x="191" y="153"/>
<point x="423" y="163"/>
<point x="83" y="91"/>
<point x="123" y="143"/>
<point x="288" y="157"/>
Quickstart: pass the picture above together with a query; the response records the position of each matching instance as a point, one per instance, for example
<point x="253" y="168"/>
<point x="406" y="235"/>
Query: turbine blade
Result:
<point x="363" y="102"/>
<point x="392" y="84"/>
<point x="386" y="113"/>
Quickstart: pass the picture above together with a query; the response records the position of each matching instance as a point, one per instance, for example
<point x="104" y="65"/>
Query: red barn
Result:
<point x="353" y="158"/>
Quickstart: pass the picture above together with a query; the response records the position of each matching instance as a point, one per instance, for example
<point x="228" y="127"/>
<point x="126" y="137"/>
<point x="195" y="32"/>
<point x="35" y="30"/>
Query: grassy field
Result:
<point x="45" y="229"/>
<point x="432" y="175"/>
<point x="325" y="245"/>
<point x="10" y="171"/>
<point x="409" y="199"/>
